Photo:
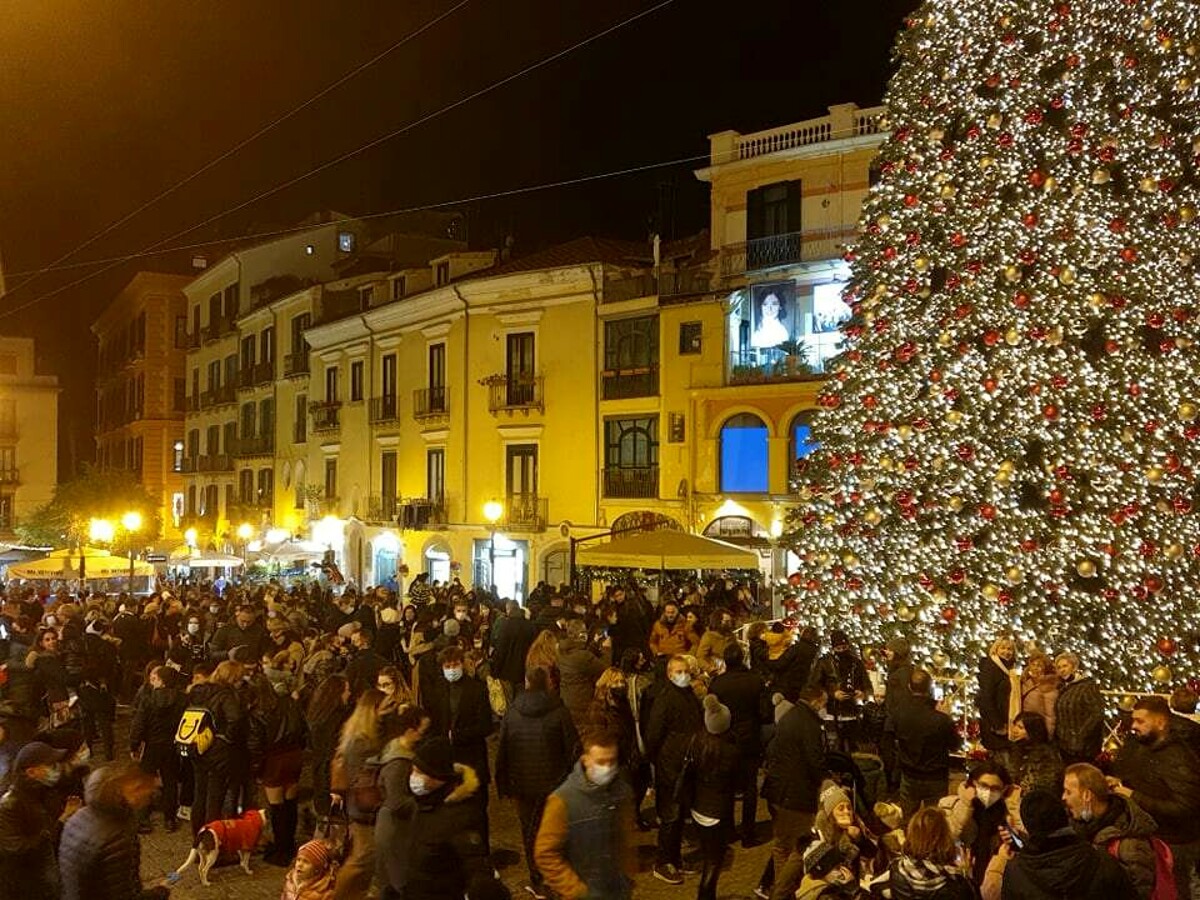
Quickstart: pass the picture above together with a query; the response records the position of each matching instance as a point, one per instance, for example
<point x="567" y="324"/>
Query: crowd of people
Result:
<point x="405" y="717"/>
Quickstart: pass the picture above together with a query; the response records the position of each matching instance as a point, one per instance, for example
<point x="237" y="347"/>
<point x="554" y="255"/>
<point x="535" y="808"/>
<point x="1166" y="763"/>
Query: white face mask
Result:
<point x="460" y="616"/>
<point x="452" y="674"/>
<point x="601" y="775"/>
<point x="418" y="785"/>
<point x="681" y="679"/>
<point x="214" y="610"/>
<point x="51" y="621"/>
<point x="193" y="627"/>
<point x="987" y="797"/>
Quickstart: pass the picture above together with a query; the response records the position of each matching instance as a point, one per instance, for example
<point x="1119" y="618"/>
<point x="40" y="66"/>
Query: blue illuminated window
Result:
<point x="744" y="455"/>
<point x="801" y="435"/>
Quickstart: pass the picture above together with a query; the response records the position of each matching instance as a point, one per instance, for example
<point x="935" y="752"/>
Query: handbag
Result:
<point x="333" y="830"/>
<point x="684" y="793"/>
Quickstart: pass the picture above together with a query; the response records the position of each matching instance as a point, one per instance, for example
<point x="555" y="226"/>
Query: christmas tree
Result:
<point x="1009" y="440"/>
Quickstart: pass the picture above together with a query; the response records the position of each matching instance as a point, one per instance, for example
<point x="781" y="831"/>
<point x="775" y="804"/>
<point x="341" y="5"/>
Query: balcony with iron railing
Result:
<point x="769" y="365"/>
<point x="326" y="416"/>
<point x="781" y="250"/>
<point x="214" y="462"/>
<point x="430" y="403"/>
<point x="381" y="509"/>
<point x="217" y="329"/>
<point x="421" y="513"/>
<point x="295" y="365"/>
<point x="219" y="396"/>
<point x="631" y="482"/>
<point x="526" y="512"/>
<point x="10" y="476"/>
<point x="264" y="372"/>
<point x="637" y="381"/>
<point x="193" y="340"/>
<point x="189" y="465"/>
<point x="512" y="393"/>
<point x="664" y="284"/>
<point x="256" y="445"/>
<point x="384" y="410"/>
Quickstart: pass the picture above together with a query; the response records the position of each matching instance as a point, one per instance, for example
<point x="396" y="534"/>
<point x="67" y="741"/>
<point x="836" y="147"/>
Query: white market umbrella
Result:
<point x="666" y="550"/>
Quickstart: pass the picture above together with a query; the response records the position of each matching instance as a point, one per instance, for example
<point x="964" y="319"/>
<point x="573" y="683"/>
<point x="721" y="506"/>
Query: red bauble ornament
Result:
<point x="1050" y="412"/>
<point x="987" y="511"/>
<point x="1153" y="583"/>
<point x="911" y="200"/>
<point x="1037" y="177"/>
<point x="1129" y="254"/>
<point x="1167" y="646"/>
<point x="949" y="614"/>
<point x="795" y="579"/>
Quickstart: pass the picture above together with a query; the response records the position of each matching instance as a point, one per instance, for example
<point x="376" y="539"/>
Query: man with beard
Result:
<point x="1161" y="774"/>
<point x="243" y="631"/>
<point x="670" y="635"/>
<point x="28" y="831"/>
<point x="843" y="677"/>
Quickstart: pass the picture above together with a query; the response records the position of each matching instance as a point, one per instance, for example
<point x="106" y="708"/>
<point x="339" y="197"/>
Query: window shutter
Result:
<point x="793" y="207"/>
<point x="755" y="215"/>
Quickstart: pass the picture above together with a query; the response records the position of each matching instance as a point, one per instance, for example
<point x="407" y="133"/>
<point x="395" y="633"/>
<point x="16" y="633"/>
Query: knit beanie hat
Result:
<point x="316" y="854"/>
<point x="435" y="757"/>
<point x="716" y="715"/>
<point x="451" y="628"/>
<point x="831" y="797"/>
<point x="1043" y="813"/>
<point x="782" y="706"/>
<point x="389" y="616"/>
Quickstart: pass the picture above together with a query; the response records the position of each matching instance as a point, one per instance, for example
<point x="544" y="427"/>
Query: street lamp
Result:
<point x="492" y="511"/>
<point x="132" y="522"/>
<point x="245" y="531"/>
<point x="99" y="531"/>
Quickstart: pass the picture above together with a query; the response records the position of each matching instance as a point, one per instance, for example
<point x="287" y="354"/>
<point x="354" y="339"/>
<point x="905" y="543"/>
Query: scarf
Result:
<point x="320" y="887"/>
<point x="923" y="876"/>
<point x="1014" y="689"/>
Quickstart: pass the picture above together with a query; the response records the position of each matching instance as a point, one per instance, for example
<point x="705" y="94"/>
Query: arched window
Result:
<point x="800" y="439"/>
<point x="744" y="455"/>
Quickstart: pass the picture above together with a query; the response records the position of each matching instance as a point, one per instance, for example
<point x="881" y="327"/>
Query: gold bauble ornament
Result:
<point x="1055" y="337"/>
<point x="991" y="591"/>
<point x="1183" y="84"/>
<point x="884" y="221"/>
<point x="939" y="659"/>
<point x="1067" y="275"/>
<point x="904" y="432"/>
<point x="949" y="190"/>
<point x="954" y="417"/>
<point x="986" y="162"/>
<point x="1127" y="702"/>
<point x="873" y="517"/>
<point x="1162" y="674"/>
<point x="1127" y="436"/>
<point x="1012" y="273"/>
<point x="1014" y="574"/>
<point x="1187" y="411"/>
<point x="944" y="339"/>
<point x="1050" y="185"/>
<point x="1096" y="300"/>
<point x="1012" y="337"/>
<point x="936" y="134"/>
<point x="956" y="504"/>
<point x="995" y="120"/>
<point x="921" y="263"/>
<point x="1101" y="176"/>
<point x="1086" y="568"/>
<point x="1154" y="474"/>
<point x="905" y="613"/>
<point x="1187" y="212"/>
<point x="1148" y="185"/>
<point x="824" y="559"/>
<point x="1173" y="551"/>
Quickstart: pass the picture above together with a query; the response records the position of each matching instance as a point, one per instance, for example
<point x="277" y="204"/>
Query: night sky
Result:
<point x="108" y="103"/>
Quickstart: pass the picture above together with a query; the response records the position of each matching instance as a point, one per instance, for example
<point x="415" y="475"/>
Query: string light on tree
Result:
<point x="1009" y="442"/>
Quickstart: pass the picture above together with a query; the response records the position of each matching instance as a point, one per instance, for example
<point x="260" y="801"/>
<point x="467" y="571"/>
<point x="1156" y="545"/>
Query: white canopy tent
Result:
<point x="665" y="549"/>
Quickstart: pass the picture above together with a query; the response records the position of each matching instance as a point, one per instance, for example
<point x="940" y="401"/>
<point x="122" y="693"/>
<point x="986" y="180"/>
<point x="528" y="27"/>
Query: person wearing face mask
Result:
<point x="843" y="676"/>
<point x="675" y="715"/>
<point x="192" y="646"/>
<point x="984" y="804"/>
<point x="365" y="664"/>
<point x="447" y="844"/>
<point x="156" y="712"/>
<point x="460" y="712"/>
<point x="1161" y="774"/>
<point x="585" y="844"/>
<point x="28" y="829"/>
<point x="397" y="802"/>
<point x="1115" y="824"/>
<point x="536" y="751"/>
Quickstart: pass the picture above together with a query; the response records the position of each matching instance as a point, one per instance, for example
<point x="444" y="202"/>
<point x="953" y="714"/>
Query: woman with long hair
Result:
<point x="929" y="868"/>
<point x="275" y="742"/>
<point x="543" y="653"/>
<point x="327" y="713"/>
<point x="361" y="740"/>
<point x="49" y="675"/>
<point x="212" y="768"/>
<point x="1039" y="688"/>
<point x="1036" y="760"/>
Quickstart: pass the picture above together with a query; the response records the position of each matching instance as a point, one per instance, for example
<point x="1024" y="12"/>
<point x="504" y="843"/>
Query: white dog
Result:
<point x="228" y="835"/>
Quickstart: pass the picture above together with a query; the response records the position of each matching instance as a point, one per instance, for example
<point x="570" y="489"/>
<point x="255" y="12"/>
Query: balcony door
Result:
<point x="387" y="484"/>
<point x="522" y="470"/>
<point x="437" y="377"/>
<point x="520" y="368"/>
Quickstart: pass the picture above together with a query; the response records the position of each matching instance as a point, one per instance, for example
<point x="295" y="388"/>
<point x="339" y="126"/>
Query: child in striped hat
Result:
<point x="311" y="876"/>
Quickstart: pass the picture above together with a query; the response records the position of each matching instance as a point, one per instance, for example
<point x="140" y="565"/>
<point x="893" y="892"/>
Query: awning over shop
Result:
<point x="666" y="550"/>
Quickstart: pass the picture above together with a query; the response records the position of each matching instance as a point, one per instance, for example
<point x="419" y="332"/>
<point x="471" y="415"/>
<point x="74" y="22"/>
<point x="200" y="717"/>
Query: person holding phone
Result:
<point x="985" y="804"/>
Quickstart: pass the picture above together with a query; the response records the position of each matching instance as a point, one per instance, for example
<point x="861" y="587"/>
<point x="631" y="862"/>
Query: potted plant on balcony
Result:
<point x="794" y="356"/>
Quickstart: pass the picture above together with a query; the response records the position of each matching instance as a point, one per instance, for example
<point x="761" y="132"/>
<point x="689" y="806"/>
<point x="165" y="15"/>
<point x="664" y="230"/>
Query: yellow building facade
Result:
<point x="28" y="433"/>
<point x="141" y="388"/>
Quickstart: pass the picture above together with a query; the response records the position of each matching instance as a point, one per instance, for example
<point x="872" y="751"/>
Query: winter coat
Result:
<point x="468" y="724"/>
<point x="363" y="669"/>
<point x="842" y="672"/>
<point x="226" y="709"/>
<point x="795" y="762"/>
<point x="671" y="640"/>
<point x="1188" y="730"/>
<point x="711" y="648"/>
<point x="275" y="730"/>
<point x="537" y="746"/>
<point x="156" y="714"/>
<point x="1165" y="779"/>
<point x="512" y="637"/>
<point x="977" y="827"/>
<point x="351" y="760"/>
<point x="1064" y="868"/>
<point x="28" y="833"/>
<point x="395" y="813"/>
<point x="229" y="636"/>
<point x="1130" y="827"/>
<point x="444" y="841"/>
<point x="584" y="847"/>
<point x="715" y="782"/>
<point x="1079" y="719"/>
<point x="742" y="691"/>
<point x="675" y="715"/>
<point x="992" y="700"/>
<point x="1041" y="697"/>
<point x="925" y="737"/>
<point x="578" y="669"/>
<point x="629" y="632"/>
<point x="100" y="856"/>
<point x="912" y="879"/>
<point x="895" y="688"/>
<point x="791" y="671"/>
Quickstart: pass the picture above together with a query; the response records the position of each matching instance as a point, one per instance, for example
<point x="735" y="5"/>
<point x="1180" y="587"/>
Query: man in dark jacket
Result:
<point x="28" y="831"/>
<point x="1078" y="712"/>
<point x="537" y="749"/>
<point x="511" y="639"/>
<point x="631" y="629"/>
<point x="742" y="691"/>
<point x="578" y="669"/>
<point x="925" y="738"/>
<point x="100" y="856"/>
<point x="460" y="712"/>
<point x="790" y="673"/>
<point x="447" y="847"/>
<point x="1111" y="823"/>
<point x="156" y="712"/>
<point x="1056" y="863"/>
<point x="1161" y="774"/>
<point x="365" y="663"/>
<point x="243" y="631"/>
<point x="795" y="767"/>
<point x="843" y="676"/>
<point x="898" y="654"/>
<point x="675" y="717"/>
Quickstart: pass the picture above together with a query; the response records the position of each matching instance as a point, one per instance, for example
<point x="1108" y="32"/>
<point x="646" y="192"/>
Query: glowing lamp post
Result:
<point x="245" y="531"/>
<point x="492" y="511"/>
<point x="132" y="523"/>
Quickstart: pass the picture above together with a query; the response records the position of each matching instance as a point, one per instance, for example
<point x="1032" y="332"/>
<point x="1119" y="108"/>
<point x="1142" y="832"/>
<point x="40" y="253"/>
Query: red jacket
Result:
<point x="234" y="835"/>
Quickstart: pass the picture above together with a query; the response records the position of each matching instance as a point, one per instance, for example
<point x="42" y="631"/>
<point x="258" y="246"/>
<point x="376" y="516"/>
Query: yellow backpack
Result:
<point x="195" y="733"/>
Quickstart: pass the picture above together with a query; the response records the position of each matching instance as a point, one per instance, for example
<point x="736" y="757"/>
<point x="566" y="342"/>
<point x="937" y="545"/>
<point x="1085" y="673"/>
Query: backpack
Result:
<point x="195" y="732"/>
<point x="1164" y="868"/>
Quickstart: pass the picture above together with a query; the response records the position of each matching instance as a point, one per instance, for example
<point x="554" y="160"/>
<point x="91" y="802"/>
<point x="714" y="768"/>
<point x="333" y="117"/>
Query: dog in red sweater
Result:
<point x="229" y="836"/>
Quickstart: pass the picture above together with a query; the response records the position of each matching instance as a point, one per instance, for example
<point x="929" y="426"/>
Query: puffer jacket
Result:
<point x="100" y="857"/>
<point x="1165" y="778"/>
<point x="537" y="746"/>
<point x="675" y="715"/>
<point x="1079" y="719"/>
<point x="1130" y="828"/>
<point x="156" y="714"/>
<point x="28" y="832"/>
<point x="444" y="841"/>
<point x="578" y="669"/>
<point x="1064" y="868"/>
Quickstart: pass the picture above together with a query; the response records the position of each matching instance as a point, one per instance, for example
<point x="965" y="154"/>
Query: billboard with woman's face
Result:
<point x="772" y="314"/>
